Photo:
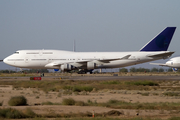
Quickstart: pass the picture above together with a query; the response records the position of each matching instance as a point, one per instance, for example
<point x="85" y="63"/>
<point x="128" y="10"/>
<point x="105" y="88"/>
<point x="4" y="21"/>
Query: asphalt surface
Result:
<point x="127" y="78"/>
<point x="51" y="78"/>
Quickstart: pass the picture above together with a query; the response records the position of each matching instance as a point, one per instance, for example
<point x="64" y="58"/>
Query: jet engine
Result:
<point x="56" y="70"/>
<point x="91" y="65"/>
<point x="66" y="67"/>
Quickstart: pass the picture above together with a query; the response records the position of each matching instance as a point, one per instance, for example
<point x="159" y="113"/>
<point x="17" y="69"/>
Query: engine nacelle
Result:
<point x="66" y="67"/>
<point x="56" y="70"/>
<point x="91" y="65"/>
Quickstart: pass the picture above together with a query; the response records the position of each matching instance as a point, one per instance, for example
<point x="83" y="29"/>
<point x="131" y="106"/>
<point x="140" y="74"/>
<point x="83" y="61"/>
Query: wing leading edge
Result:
<point x="57" y="64"/>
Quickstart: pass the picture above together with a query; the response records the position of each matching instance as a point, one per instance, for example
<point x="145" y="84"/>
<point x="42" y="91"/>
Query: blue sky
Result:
<point x="95" y="25"/>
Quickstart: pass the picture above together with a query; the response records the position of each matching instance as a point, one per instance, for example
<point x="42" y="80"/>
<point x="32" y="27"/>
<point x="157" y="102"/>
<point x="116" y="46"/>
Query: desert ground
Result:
<point x="166" y="92"/>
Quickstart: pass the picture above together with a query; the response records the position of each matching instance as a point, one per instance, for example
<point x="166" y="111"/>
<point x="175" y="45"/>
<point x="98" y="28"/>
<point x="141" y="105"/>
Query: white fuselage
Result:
<point x="54" y="59"/>
<point x="173" y="62"/>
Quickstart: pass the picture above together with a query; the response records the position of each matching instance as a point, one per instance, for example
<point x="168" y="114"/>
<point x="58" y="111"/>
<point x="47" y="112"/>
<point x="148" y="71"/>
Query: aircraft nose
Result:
<point x="5" y="60"/>
<point x="169" y="63"/>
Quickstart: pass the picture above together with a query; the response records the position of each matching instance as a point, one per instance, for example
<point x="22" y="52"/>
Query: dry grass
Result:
<point x="88" y="85"/>
<point x="119" y="104"/>
<point x="68" y="88"/>
<point x="11" y="113"/>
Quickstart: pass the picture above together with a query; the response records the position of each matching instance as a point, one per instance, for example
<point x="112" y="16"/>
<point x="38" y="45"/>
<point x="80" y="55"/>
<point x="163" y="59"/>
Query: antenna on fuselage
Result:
<point x="74" y="46"/>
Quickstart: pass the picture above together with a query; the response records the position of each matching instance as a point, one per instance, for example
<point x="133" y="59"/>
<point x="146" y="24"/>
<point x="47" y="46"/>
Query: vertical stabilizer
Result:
<point x="161" y="41"/>
<point x="175" y="69"/>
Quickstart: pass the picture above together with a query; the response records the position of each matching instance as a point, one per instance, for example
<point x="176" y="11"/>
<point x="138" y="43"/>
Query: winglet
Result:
<point x="125" y="57"/>
<point x="161" y="41"/>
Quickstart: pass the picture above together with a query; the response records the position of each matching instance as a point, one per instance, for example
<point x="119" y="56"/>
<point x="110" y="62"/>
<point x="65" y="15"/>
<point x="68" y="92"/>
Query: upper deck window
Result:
<point x="47" y="53"/>
<point x="16" y="52"/>
<point x="32" y="53"/>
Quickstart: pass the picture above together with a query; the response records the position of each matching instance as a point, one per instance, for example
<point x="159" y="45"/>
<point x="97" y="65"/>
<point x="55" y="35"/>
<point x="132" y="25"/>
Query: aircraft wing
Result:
<point x="52" y="64"/>
<point x="160" y="64"/>
<point x="108" y="60"/>
<point x="57" y="64"/>
<point x="161" y="55"/>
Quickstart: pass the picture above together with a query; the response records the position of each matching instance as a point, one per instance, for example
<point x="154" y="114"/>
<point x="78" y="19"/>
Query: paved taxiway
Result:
<point x="151" y="77"/>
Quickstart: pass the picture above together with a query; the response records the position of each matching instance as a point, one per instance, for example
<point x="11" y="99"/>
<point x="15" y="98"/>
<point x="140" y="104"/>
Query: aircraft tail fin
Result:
<point x="161" y="41"/>
<point x="175" y="69"/>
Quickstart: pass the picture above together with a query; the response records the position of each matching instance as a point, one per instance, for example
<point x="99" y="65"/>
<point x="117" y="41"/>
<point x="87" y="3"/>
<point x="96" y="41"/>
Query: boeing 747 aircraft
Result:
<point x="174" y="63"/>
<point x="66" y="60"/>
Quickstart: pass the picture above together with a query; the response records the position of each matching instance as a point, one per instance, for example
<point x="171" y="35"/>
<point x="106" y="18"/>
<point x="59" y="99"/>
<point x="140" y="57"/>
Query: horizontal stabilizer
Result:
<point x="167" y="54"/>
<point x="160" y="64"/>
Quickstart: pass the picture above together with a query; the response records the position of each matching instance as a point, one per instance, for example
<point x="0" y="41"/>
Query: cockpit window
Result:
<point x="16" y="52"/>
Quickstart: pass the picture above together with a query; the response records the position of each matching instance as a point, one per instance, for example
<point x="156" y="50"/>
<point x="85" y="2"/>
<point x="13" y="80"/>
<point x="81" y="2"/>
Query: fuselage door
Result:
<point x="26" y="60"/>
<point x="41" y="52"/>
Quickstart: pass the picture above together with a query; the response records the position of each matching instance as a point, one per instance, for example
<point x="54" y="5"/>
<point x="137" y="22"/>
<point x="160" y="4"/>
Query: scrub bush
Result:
<point x="17" y="101"/>
<point x="68" y="101"/>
